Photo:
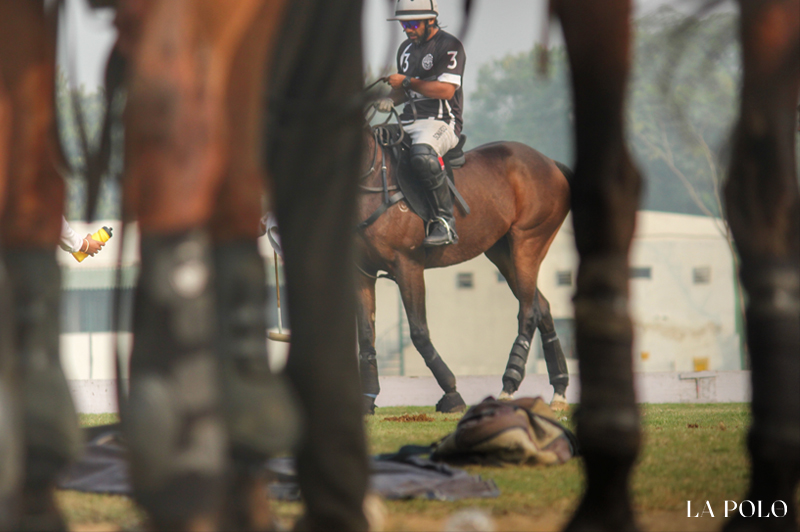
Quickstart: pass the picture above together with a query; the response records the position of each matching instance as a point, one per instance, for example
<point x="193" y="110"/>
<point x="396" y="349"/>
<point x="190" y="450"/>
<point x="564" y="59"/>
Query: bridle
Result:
<point x="383" y="140"/>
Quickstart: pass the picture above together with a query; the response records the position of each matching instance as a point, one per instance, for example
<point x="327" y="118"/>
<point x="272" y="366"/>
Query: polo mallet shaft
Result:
<point x="278" y="291"/>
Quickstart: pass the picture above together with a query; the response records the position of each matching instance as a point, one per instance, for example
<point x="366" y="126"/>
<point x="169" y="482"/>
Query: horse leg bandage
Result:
<point x="556" y="362"/>
<point x="11" y="452"/>
<point x="260" y="411"/>
<point x="773" y="335"/>
<point x="52" y="437"/>
<point x="608" y="421"/>
<point x="368" y="365"/>
<point x="515" y="369"/>
<point x="173" y="417"/>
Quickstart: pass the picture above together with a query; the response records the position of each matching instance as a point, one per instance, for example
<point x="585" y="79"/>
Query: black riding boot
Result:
<point x="442" y="229"/>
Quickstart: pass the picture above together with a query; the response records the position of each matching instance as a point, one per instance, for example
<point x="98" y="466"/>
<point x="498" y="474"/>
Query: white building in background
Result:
<point x="682" y="301"/>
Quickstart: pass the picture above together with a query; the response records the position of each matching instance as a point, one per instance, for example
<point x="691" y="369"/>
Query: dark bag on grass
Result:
<point x="522" y="431"/>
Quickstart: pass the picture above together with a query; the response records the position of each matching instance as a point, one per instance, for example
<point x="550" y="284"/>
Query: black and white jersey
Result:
<point x="441" y="58"/>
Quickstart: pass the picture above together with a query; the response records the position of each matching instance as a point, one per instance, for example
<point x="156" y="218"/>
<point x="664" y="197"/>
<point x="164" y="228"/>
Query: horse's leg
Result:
<point x="174" y="155"/>
<point x="605" y="195"/>
<point x="523" y="272"/>
<point x="763" y="205"/>
<point x="29" y="230"/>
<point x="553" y="354"/>
<point x="259" y="410"/>
<point x="314" y="157"/>
<point x="528" y="317"/>
<point x="11" y="458"/>
<point x="411" y="280"/>
<point x="368" y="363"/>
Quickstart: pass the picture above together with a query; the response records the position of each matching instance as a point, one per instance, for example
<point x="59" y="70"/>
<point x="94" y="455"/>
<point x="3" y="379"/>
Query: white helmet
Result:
<point x="415" y="10"/>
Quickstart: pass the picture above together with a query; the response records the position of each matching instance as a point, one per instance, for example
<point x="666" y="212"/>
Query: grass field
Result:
<point x="691" y="452"/>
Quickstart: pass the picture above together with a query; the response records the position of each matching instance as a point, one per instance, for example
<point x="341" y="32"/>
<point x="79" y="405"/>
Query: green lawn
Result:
<point x="690" y="452"/>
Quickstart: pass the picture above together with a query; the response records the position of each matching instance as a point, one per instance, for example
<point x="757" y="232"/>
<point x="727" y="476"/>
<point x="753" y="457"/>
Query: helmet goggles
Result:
<point x="410" y="24"/>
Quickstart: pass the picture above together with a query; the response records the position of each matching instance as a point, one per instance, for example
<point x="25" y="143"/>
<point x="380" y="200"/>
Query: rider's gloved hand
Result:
<point x="384" y="105"/>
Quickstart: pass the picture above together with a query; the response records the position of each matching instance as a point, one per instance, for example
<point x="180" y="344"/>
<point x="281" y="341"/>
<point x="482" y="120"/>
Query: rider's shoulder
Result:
<point x="447" y="39"/>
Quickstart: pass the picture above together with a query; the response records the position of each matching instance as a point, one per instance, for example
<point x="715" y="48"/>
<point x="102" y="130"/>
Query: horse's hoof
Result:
<point x="246" y="507"/>
<point x="559" y="403"/>
<point x="368" y="406"/>
<point x="451" y="402"/>
<point x="505" y="396"/>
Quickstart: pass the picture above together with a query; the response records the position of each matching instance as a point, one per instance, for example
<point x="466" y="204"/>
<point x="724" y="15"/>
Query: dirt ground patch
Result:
<point x="409" y="418"/>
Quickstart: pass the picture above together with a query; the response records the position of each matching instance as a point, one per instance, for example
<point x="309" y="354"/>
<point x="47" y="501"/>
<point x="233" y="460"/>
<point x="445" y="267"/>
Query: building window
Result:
<point x="564" y="278"/>
<point x="641" y="272"/>
<point x="464" y="280"/>
<point x="701" y="275"/>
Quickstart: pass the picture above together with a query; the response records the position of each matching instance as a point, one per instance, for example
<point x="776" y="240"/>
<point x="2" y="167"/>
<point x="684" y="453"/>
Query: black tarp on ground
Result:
<point x="103" y="468"/>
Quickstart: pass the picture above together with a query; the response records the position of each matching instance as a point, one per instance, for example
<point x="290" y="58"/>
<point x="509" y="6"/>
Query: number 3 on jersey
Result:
<point x="453" y="63"/>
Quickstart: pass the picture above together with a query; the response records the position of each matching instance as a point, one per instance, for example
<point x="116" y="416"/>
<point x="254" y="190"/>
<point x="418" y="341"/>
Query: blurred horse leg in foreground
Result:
<point x="763" y="208"/>
<point x="39" y="431"/>
<point x="313" y="150"/>
<point x="605" y="197"/>
<point x="193" y="180"/>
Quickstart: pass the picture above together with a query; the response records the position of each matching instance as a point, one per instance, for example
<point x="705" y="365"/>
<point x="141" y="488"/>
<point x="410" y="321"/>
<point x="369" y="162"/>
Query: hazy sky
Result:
<point x="498" y="27"/>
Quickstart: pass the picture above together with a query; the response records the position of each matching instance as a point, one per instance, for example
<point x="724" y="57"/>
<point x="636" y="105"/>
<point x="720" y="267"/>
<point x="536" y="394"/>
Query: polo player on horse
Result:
<point x="430" y="64"/>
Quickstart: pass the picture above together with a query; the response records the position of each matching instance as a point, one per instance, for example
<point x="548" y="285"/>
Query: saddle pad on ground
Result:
<point x="103" y="468"/>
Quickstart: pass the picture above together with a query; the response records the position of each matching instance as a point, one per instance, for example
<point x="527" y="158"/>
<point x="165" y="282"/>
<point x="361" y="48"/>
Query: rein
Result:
<point x="383" y="139"/>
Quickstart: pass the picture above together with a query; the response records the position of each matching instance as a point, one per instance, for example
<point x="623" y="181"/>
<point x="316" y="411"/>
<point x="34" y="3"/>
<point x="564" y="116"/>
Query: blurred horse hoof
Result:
<point x="505" y="396"/>
<point x="247" y="504"/>
<point x="600" y="520"/>
<point x="559" y="403"/>
<point x="368" y="406"/>
<point x="451" y="402"/>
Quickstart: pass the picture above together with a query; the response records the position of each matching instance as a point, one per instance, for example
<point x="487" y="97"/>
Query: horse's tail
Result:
<point x="566" y="170"/>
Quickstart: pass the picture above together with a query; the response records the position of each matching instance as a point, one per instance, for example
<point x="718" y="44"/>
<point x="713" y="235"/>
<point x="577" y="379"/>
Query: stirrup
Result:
<point x="451" y="238"/>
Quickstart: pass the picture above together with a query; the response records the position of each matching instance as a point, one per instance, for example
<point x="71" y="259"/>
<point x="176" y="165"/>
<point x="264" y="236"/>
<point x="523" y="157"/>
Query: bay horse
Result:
<point x="763" y="208"/>
<point x="212" y="103"/>
<point x="519" y="198"/>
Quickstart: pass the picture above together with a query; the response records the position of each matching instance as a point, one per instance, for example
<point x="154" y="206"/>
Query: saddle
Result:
<point x="414" y="193"/>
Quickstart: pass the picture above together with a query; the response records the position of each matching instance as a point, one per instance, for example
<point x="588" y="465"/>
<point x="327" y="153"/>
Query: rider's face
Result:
<point x="415" y="30"/>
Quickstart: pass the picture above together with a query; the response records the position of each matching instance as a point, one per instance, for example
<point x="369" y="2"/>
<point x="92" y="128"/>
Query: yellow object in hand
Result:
<point x="102" y="235"/>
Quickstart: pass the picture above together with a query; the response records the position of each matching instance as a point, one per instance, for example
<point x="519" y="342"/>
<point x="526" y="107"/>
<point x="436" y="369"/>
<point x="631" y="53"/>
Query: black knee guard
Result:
<point x="172" y="419"/>
<point x="52" y="435"/>
<point x="260" y="410"/>
<point x="517" y="360"/>
<point x="425" y="163"/>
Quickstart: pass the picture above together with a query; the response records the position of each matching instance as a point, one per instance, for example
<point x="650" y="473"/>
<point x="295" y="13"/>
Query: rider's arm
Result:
<point x="438" y="90"/>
